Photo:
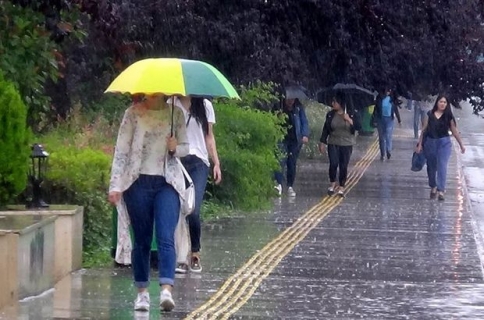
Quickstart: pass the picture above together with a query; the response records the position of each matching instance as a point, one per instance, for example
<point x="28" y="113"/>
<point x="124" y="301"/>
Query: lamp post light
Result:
<point x="39" y="158"/>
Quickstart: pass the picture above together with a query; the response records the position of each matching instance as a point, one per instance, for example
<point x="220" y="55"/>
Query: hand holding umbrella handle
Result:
<point x="171" y="144"/>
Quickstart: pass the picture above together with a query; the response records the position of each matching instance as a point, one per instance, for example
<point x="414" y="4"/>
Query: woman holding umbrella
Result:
<point x="138" y="180"/>
<point x="339" y="136"/>
<point x="147" y="184"/>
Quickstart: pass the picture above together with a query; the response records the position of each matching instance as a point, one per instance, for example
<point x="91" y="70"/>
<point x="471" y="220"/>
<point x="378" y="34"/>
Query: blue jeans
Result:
<point x="151" y="200"/>
<point x="198" y="171"/>
<point x="418" y="119"/>
<point x="385" y="133"/>
<point x="437" y="152"/>
<point x="290" y="151"/>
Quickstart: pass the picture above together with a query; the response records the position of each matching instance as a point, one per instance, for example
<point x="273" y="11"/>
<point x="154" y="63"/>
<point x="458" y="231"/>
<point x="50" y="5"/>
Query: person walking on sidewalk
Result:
<point x="140" y="189"/>
<point x="296" y="135"/>
<point x="199" y="119"/>
<point x="339" y="135"/>
<point x="437" y="146"/>
<point x="385" y="111"/>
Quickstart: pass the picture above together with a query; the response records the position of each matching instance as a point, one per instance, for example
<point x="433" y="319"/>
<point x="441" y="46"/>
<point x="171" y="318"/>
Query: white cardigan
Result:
<point x="141" y="149"/>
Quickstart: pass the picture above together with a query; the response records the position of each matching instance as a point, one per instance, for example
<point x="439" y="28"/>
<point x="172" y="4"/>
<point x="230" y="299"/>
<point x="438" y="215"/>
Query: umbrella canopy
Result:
<point x="357" y="97"/>
<point x="172" y="76"/>
<point x="296" y="92"/>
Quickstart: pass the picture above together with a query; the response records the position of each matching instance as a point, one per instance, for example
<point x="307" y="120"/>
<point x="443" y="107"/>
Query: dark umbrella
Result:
<point x="357" y="98"/>
<point x="296" y="92"/>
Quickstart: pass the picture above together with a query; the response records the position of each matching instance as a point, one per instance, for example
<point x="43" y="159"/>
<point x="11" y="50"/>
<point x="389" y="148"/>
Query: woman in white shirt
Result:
<point x="138" y="181"/>
<point x="199" y="120"/>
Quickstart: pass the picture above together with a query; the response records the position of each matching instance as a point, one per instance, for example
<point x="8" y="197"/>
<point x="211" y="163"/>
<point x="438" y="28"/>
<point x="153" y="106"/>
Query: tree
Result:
<point x="31" y="36"/>
<point x="413" y="45"/>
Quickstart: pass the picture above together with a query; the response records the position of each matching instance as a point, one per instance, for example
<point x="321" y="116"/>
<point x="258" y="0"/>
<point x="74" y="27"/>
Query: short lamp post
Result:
<point x="39" y="158"/>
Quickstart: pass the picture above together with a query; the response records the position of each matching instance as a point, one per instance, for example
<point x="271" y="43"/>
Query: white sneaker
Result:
<point x="166" y="301"/>
<point x="141" y="315"/>
<point x="279" y="189"/>
<point x="142" y="302"/>
<point x="341" y="192"/>
<point x="291" y="192"/>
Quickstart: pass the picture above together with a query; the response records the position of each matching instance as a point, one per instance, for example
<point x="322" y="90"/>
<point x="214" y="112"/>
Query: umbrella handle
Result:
<point x="171" y="153"/>
<point x="172" y="114"/>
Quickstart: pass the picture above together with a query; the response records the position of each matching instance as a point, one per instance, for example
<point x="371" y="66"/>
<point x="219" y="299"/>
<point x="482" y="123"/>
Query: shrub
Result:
<point x="110" y="106"/>
<point x="80" y="177"/>
<point x="247" y="144"/>
<point x="13" y="142"/>
<point x="79" y="167"/>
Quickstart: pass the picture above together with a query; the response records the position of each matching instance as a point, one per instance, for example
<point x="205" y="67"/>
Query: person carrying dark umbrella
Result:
<point x="339" y="135"/>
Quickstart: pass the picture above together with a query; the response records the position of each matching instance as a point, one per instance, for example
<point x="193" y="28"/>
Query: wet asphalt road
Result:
<point x="384" y="252"/>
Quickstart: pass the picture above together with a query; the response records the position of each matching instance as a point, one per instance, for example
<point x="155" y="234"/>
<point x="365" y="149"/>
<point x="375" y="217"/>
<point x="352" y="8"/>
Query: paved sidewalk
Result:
<point x="386" y="251"/>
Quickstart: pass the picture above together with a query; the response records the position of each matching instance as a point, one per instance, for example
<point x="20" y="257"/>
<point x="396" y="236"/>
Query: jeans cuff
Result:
<point x="141" y="284"/>
<point x="167" y="281"/>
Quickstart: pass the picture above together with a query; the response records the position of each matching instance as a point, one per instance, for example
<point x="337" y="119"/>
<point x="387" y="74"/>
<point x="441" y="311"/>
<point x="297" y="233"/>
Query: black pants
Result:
<point x="339" y="156"/>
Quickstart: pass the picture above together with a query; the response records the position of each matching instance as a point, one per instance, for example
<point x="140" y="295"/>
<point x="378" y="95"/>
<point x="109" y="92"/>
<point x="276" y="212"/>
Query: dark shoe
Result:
<point x="433" y="194"/>
<point x="441" y="196"/>
<point x="382" y="158"/>
<point x="195" y="265"/>
<point x="181" y="268"/>
<point x="330" y="191"/>
<point x="389" y="155"/>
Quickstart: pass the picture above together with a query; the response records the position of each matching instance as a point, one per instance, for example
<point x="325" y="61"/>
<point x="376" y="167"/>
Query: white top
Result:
<point x="141" y="144"/>
<point x="196" y="137"/>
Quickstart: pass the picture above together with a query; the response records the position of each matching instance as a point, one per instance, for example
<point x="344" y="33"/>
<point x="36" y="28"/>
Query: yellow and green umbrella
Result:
<point x="172" y="76"/>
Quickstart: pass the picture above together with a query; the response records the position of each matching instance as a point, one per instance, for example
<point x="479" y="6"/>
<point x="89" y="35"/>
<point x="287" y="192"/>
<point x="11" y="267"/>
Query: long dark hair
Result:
<point x="340" y="98"/>
<point x="448" y="115"/>
<point x="197" y="111"/>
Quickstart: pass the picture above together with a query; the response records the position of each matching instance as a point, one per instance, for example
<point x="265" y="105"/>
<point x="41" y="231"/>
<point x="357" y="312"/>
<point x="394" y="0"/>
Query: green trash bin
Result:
<point x="114" y="237"/>
<point x="367" y="128"/>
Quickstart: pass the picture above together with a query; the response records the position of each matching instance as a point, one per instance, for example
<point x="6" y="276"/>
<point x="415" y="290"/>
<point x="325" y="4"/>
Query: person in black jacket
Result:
<point x="339" y="136"/>
<point x="385" y="111"/>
